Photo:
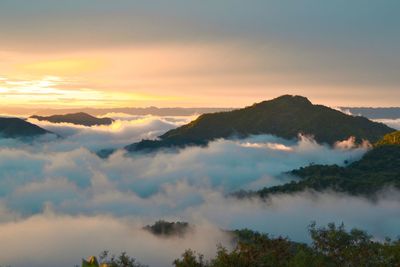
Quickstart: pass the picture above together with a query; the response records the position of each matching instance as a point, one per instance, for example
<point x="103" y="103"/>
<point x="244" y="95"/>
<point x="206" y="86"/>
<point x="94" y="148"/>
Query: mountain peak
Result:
<point x="285" y="117"/>
<point x="289" y="100"/>
<point x="294" y="98"/>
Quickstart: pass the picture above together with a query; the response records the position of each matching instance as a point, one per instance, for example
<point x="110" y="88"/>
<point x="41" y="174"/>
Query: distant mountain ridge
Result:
<point x="374" y="113"/>
<point x="79" y="118"/>
<point x="285" y="117"/>
<point x="155" y="111"/>
<point x="19" y="128"/>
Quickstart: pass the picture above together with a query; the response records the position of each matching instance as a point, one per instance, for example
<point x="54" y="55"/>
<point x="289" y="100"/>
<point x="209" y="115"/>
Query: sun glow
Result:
<point x="53" y="89"/>
<point x="62" y="66"/>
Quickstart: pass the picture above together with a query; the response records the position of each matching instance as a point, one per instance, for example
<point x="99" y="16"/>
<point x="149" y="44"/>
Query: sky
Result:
<point x="224" y="53"/>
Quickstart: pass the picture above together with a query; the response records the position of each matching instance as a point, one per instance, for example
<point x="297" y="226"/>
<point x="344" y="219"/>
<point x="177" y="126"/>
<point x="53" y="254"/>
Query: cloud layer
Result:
<point x="76" y="204"/>
<point x="394" y="123"/>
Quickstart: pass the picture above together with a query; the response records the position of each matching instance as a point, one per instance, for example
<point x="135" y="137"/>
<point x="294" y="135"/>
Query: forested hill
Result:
<point x="285" y="117"/>
<point x="18" y="128"/>
<point x="379" y="168"/>
<point x="79" y="118"/>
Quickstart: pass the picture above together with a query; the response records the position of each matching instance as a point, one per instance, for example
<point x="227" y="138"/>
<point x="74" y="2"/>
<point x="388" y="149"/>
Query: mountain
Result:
<point x="285" y="116"/>
<point x="18" y="128"/>
<point x="80" y="118"/>
<point x="377" y="169"/>
<point x="155" y="111"/>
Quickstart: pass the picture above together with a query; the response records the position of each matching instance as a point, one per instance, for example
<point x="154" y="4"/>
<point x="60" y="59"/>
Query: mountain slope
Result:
<point x="285" y="116"/>
<point x="379" y="168"/>
<point x="80" y="118"/>
<point x="18" y="128"/>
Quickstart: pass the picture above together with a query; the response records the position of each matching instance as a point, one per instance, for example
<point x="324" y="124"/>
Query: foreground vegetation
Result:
<point x="331" y="246"/>
<point x="107" y="260"/>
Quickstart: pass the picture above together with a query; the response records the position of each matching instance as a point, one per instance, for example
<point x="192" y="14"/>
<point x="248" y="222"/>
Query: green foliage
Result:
<point x="390" y="139"/>
<point x="123" y="260"/>
<point x="355" y="248"/>
<point x="190" y="259"/>
<point x="285" y="116"/>
<point x="332" y="246"/>
<point x="91" y="262"/>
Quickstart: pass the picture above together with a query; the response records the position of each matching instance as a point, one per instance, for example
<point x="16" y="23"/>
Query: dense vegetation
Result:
<point x="285" y="116"/>
<point x="18" y="128"/>
<point x="379" y="168"/>
<point x="330" y="246"/>
<point x="167" y="229"/>
<point x="390" y="139"/>
<point x="107" y="260"/>
<point x="80" y="118"/>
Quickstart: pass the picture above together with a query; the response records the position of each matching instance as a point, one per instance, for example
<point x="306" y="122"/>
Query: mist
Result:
<point x="394" y="123"/>
<point x="60" y="194"/>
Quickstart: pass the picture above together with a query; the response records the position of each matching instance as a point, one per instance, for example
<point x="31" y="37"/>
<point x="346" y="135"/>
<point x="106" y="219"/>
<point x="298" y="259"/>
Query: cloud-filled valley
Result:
<point x="199" y="133"/>
<point x="60" y="192"/>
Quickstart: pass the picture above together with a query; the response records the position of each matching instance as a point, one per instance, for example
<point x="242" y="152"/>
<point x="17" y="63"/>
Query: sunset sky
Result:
<point x="209" y="53"/>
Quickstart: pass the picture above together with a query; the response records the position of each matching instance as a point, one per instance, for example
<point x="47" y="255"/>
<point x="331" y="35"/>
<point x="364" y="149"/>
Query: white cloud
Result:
<point x="56" y="239"/>
<point x="49" y="240"/>
<point x="394" y="123"/>
<point x="62" y="195"/>
<point x="122" y="132"/>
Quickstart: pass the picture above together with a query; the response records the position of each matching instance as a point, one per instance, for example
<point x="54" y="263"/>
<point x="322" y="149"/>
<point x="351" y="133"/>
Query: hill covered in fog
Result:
<point x="378" y="169"/>
<point x="285" y="117"/>
<point x="79" y="118"/>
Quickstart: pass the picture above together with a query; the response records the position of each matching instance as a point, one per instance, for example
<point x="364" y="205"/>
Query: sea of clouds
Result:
<point x="60" y="202"/>
<point x="394" y="123"/>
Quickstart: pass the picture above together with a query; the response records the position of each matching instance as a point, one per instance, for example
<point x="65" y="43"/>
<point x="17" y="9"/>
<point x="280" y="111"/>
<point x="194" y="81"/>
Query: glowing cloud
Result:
<point x="67" y="66"/>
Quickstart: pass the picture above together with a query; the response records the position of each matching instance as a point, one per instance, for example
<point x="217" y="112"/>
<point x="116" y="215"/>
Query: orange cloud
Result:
<point x="69" y="66"/>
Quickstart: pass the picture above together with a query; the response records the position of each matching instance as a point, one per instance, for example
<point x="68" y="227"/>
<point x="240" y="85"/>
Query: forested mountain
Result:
<point x="285" y="117"/>
<point x="379" y="168"/>
<point x="19" y="128"/>
<point x="80" y="118"/>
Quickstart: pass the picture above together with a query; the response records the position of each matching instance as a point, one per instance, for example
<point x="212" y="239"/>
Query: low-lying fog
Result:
<point x="59" y="202"/>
